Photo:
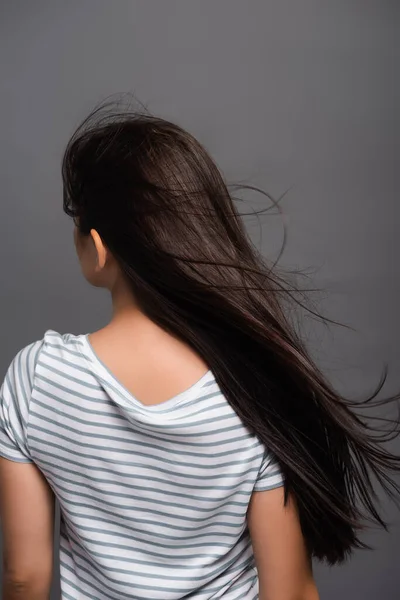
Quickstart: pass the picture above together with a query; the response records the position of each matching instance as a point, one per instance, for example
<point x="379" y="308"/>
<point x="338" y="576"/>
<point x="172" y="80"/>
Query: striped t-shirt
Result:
<point x="153" y="499"/>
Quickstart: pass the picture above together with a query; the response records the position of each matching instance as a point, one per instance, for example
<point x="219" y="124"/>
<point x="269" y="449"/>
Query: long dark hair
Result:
<point x="163" y="209"/>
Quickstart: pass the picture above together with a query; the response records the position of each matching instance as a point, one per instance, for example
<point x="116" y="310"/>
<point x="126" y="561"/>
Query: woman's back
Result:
<point x="153" y="497"/>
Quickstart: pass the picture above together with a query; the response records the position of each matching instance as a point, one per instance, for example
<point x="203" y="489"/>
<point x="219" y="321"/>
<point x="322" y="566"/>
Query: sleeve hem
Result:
<point x="18" y="459"/>
<point x="264" y="487"/>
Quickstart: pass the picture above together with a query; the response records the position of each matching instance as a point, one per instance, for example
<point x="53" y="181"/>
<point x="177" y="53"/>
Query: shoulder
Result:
<point x="20" y="376"/>
<point x="20" y="372"/>
<point x="61" y="343"/>
<point x="16" y="393"/>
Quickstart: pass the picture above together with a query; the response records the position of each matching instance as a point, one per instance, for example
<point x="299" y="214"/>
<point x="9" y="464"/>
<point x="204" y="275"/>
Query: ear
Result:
<point x="101" y="250"/>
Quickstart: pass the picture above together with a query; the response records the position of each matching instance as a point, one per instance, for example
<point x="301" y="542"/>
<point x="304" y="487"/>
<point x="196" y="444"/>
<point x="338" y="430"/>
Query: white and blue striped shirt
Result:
<point x="153" y="499"/>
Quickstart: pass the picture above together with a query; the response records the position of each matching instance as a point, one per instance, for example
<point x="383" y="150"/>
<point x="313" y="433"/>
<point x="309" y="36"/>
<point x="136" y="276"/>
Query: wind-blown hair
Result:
<point x="163" y="209"/>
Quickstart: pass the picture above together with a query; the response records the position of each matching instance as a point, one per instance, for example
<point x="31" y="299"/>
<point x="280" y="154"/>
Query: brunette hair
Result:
<point x="163" y="209"/>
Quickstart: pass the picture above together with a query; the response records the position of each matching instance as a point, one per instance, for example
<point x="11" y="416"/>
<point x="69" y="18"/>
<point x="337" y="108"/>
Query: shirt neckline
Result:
<point x="106" y="374"/>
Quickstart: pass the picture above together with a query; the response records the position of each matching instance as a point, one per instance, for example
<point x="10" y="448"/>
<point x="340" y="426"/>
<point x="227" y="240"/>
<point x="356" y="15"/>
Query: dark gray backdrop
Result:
<point x="283" y="93"/>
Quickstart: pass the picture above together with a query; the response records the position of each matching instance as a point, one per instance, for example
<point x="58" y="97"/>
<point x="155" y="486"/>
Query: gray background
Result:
<point x="283" y="93"/>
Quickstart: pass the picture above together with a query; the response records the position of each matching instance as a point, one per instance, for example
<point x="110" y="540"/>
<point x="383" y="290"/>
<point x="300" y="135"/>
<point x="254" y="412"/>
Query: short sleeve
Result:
<point x="270" y="475"/>
<point x="15" y="394"/>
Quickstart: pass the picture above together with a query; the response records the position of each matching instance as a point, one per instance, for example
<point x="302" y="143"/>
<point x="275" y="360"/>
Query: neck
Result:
<point x="128" y="318"/>
<point x="126" y="314"/>
<point x="123" y="302"/>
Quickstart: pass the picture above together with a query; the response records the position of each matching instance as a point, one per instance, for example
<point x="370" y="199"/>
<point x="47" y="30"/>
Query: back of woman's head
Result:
<point x="163" y="210"/>
<point x="154" y="195"/>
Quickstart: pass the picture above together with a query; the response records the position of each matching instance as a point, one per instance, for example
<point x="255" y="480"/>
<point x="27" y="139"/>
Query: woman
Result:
<point x="194" y="447"/>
